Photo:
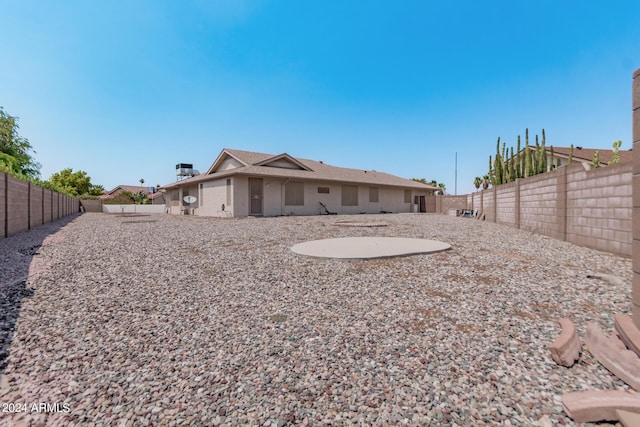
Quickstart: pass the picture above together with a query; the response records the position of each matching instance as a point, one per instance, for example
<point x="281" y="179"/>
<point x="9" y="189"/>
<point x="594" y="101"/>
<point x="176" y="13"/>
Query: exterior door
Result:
<point x="255" y="196"/>
<point x="423" y="204"/>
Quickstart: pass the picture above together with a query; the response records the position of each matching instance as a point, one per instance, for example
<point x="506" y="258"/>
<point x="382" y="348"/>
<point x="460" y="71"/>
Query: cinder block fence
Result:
<point x="636" y="197"/>
<point x="24" y="205"/>
<point x="591" y="208"/>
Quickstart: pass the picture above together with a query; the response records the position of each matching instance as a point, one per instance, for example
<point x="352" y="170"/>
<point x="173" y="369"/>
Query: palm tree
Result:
<point x="442" y="187"/>
<point x="477" y="182"/>
<point x="485" y="182"/>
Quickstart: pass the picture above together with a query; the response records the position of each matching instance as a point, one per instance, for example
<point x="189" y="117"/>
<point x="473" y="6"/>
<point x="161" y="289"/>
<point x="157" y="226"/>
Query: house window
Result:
<point x="373" y="194"/>
<point x="323" y="190"/>
<point x="349" y="195"/>
<point x="228" y="191"/>
<point x="294" y="194"/>
<point x="407" y="196"/>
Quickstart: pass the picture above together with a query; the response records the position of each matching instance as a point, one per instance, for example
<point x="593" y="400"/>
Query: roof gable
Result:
<point x="225" y="161"/>
<point x="283" y="161"/>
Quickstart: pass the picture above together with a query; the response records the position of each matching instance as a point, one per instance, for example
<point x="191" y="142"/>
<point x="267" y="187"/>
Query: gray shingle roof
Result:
<point x="318" y="171"/>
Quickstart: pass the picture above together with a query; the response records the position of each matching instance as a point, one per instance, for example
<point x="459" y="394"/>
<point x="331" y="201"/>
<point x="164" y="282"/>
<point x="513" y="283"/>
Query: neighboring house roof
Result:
<point x="285" y="166"/>
<point x="134" y="189"/>
<point x="157" y="194"/>
<point x="585" y="155"/>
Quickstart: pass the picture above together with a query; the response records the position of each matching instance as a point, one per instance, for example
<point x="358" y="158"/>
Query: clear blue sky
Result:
<point x="126" y="89"/>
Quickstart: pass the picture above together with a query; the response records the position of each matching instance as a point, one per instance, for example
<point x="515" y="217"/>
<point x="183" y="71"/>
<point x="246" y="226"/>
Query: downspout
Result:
<point x="282" y="195"/>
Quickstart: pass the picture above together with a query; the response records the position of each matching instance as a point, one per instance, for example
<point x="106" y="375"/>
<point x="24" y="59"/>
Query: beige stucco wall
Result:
<point x="174" y="199"/>
<point x="390" y="199"/>
<point x="212" y="194"/>
<point x="240" y="196"/>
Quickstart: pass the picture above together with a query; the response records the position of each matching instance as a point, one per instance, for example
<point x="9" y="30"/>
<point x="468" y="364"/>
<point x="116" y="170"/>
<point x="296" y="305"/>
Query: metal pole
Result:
<point x="456" y="182"/>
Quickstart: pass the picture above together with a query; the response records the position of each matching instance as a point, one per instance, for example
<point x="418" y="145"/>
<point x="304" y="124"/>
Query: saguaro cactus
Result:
<point x="509" y="165"/>
<point x="543" y="154"/>
<point x="616" y="153"/>
<point x="570" y="155"/>
<point x="528" y="162"/>
<point x="519" y="161"/>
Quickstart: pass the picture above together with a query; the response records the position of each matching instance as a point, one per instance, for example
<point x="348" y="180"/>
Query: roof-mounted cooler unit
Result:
<point x="184" y="170"/>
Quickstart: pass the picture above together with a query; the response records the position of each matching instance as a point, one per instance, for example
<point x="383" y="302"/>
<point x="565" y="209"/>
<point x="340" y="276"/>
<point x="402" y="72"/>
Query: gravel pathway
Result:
<point x="160" y="320"/>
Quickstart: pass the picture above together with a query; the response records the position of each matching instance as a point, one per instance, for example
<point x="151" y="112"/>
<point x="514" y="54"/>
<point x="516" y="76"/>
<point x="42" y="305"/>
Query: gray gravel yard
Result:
<point x="161" y="320"/>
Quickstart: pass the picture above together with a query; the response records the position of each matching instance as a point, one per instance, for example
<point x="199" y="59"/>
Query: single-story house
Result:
<point x="243" y="183"/>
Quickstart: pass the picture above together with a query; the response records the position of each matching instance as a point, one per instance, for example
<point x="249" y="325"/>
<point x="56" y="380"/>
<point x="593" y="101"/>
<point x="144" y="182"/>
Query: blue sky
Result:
<point x="124" y="90"/>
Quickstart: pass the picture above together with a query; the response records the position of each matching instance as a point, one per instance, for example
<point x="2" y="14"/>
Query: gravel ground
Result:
<point x="159" y="320"/>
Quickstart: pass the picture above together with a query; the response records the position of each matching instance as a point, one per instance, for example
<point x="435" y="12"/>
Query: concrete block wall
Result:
<point x="24" y="205"/>
<point x="489" y="205"/>
<point x="635" y="106"/>
<point x="588" y="207"/>
<point x="55" y="206"/>
<point x="599" y="205"/>
<point x="539" y="204"/>
<point x="476" y="201"/>
<point x="17" y="219"/>
<point x="3" y="204"/>
<point x="36" y="208"/>
<point x="446" y="203"/>
<point x="91" y="205"/>
<point x="48" y="211"/>
<point x="506" y="204"/>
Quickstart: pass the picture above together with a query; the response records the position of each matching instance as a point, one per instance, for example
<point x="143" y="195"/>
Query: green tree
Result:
<point x="17" y="148"/>
<point x="9" y="164"/>
<point x="141" y="198"/>
<point x="96" y="190"/>
<point x="73" y="183"/>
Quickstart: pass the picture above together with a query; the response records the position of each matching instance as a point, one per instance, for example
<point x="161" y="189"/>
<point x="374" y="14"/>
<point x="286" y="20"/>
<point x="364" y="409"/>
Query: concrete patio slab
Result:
<point x="368" y="247"/>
